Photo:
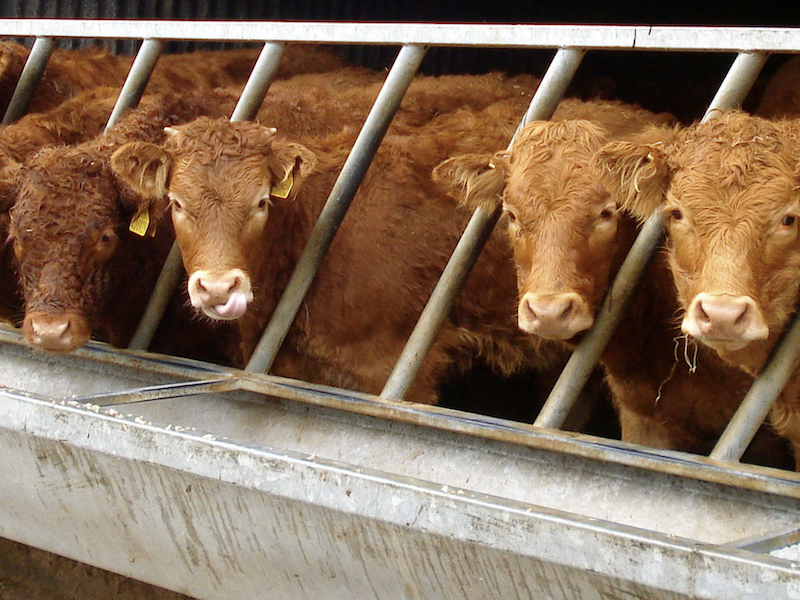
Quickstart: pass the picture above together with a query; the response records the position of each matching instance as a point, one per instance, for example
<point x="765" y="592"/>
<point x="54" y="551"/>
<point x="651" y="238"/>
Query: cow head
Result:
<point x="729" y="190"/>
<point x="566" y="232"/>
<point x="222" y="179"/>
<point x="66" y="226"/>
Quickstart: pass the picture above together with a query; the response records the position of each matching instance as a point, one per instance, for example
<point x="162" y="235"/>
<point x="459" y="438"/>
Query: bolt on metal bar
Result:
<point x="759" y="399"/>
<point x="543" y="104"/>
<point x="136" y="81"/>
<point x="29" y="78"/>
<point x="247" y="108"/>
<point x="573" y="378"/>
<point x="366" y="145"/>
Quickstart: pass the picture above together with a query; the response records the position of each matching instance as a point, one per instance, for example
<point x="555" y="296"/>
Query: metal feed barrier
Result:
<point x="236" y="484"/>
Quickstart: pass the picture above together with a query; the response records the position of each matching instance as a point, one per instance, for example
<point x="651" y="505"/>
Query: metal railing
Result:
<point x="752" y="46"/>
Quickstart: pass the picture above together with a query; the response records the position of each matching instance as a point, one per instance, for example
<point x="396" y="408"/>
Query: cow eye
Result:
<point x="788" y="220"/>
<point x="676" y="214"/>
<point x="510" y="213"/>
<point x="262" y="203"/>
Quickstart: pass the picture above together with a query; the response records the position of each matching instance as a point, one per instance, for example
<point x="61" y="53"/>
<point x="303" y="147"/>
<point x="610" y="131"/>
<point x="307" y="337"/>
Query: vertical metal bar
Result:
<point x="29" y="79"/>
<point x="138" y="76"/>
<point x="356" y="165"/>
<point x="542" y="106"/>
<point x="759" y="400"/>
<point x="258" y="83"/>
<point x="730" y="94"/>
<point x="249" y="102"/>
<point x="167" y="281"/>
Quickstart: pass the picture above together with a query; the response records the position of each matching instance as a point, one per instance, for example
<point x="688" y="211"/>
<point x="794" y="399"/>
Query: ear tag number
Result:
<point x="140" y="223"/>
<point x="283" y="189"/>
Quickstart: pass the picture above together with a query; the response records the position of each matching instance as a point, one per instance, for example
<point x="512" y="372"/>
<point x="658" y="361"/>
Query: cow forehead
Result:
<point x="197" y="181"/>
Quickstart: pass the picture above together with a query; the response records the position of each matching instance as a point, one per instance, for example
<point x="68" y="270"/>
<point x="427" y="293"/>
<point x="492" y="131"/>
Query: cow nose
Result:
<point x="220" y="294"/>
<point x="50" y="332"/>
<point x="554" y="316"/>
<point x="217" y="290"/>
<point x="725" y="318"/>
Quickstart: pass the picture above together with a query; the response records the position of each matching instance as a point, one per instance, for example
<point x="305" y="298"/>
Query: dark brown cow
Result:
<point x="243" y="202"/>
<point x="80" y="268"/>
<point x="69" y="72"/>
<point x="569" y="239"/>
<point x="729" y="191"/>
<point x="781" y="97"/>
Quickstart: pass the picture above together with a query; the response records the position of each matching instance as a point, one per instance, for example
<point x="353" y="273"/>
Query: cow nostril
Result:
<point x="743" y="318"/>
<point x="569" y="309"/>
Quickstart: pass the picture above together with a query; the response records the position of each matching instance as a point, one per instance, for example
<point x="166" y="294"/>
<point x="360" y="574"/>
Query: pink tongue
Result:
<point x="234" y="307"/>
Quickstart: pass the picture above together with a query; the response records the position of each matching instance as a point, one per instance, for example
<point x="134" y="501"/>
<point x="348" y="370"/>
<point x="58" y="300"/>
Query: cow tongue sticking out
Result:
<point x="234" y="307"/>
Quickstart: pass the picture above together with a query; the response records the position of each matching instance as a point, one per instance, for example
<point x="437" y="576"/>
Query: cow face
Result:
<point x="65" y="228"/>
<point x="222" y="179"/>
<point x="729" y="192"/>
<point x="566" y="232"/>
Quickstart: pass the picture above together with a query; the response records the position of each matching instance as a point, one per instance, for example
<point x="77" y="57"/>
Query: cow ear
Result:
<point x="473" y="179"/>
<point x="143" y="169"/>
<point x="289" y="163"/>
<point x="638" y="175"/>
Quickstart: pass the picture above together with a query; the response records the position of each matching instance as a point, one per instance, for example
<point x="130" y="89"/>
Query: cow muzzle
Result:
<point x="554" y="316"/>
<point x="63" y="332"/>
<point x="220" y="295"/>
<point x="724" y="321"/>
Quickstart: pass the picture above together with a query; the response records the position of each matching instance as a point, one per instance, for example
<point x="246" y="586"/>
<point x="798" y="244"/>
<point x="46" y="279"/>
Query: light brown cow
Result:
<point x="729" y="191"/>
<point x="243" y="202"/>
<point x="569" y="238"/>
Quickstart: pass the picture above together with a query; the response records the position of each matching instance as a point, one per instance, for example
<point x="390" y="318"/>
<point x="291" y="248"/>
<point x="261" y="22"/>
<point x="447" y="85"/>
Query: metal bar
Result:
<point x="579" y="367"/>
<point x="249" y="102"/>
<point x="356" y="165"/>
<point x="542" y="106"/>
<point x="167" y="282"/>
<point x="737" y="83"/>
<point x="138" y="76"/>
<point x="29" y="79"/>
<point x="605" y="37"/>
<point x="767" y="542"/>
<point x="159" y="392"/>
<point x="259" y="81"/>
<point x="757" y="403"/>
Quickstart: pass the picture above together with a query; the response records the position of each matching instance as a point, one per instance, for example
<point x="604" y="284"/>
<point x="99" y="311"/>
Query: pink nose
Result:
<point x="554" y="316"/>
<point x="51" y="332"/>
<point x="725" y="318"/>
<point x="212" y="290"/>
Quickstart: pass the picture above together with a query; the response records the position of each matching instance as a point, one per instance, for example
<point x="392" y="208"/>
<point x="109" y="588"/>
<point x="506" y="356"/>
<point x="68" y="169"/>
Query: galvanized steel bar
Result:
<point x="356" y="165"/>
<point x="259" y="81"/>
<point x="29" y="78"/>
<point x="730" y="94"/>
<point x="542" y="106"/>
<point x="757" y="403"/>
<point x="605" y="37"/>
<point x="138" y="76"/>
<point x="167" y="282"/>
<point x="160" y="392"/>
<point x="249" y="102"/>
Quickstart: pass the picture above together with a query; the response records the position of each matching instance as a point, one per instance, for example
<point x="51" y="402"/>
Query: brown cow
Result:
<point x="69" y="72"/>
<point x="569" y="239"/>
<point x="243" y="202"/>
<point x="729" y="191"/>
<point x="61" y="192"/>
<point x="781" y="97"/>
<point x="80" y="267"/>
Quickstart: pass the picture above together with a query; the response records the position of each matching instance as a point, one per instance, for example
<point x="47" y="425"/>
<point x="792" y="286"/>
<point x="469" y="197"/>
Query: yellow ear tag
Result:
<point x="282" y="189"/>
<point x="140" y="222"/>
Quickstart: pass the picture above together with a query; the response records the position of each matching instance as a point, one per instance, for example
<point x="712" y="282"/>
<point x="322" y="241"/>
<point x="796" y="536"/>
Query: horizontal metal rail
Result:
<point x="601" y="37"/>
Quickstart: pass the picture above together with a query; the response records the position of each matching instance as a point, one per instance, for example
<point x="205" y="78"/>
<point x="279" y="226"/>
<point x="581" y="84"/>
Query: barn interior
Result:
<point x="680" y="83"/>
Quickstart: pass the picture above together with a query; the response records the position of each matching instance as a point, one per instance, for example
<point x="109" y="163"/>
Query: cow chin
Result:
<point x="62" y="332"/>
